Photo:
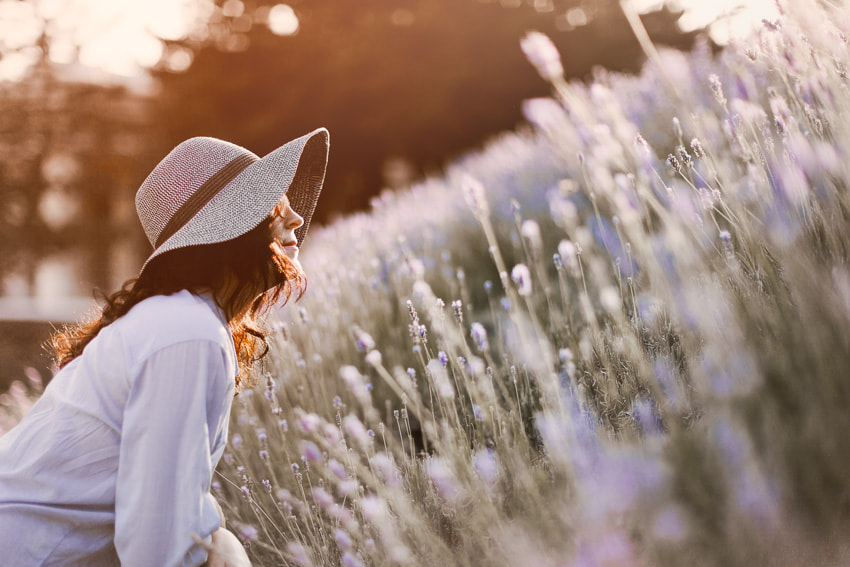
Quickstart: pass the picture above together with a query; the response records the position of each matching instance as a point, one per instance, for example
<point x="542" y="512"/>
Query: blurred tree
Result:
<point x="71" y="148"/>
<point x="420" y="80"/>
<point x="69" y="164"/>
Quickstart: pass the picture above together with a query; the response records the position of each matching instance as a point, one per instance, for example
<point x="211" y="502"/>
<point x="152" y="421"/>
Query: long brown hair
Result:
<point x="247" y="276"/>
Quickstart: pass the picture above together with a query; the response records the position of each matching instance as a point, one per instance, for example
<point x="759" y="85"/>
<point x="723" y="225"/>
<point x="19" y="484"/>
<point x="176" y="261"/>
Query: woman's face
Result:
<point x="284" y="223"/>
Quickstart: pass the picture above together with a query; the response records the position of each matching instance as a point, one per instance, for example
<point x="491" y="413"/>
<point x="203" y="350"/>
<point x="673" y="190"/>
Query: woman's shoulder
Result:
<point x="162" y="320"/>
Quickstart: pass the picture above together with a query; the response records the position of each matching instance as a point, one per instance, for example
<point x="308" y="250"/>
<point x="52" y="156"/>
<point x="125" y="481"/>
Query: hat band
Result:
<point x="204" y="195"/>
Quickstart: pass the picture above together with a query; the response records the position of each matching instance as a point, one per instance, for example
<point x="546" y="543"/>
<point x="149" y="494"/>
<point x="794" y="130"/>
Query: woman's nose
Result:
<point x="292" y="220"/>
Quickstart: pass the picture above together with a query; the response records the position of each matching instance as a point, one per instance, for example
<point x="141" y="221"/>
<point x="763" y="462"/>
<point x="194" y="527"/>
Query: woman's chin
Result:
<point x="294" y="257"/>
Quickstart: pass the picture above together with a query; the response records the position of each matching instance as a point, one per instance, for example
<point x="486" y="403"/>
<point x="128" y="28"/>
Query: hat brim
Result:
<point x="296" y="169"/>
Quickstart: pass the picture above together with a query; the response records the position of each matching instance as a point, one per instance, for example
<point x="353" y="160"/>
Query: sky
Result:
<point x="123" y="36"/>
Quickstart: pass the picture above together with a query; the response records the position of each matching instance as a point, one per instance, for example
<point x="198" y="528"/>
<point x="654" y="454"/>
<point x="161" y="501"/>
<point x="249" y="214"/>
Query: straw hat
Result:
<point x="208" y="191"/>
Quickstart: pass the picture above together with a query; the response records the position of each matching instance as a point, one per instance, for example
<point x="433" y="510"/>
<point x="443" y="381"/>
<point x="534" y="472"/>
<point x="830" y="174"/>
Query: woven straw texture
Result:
<point x="296" y="168"/>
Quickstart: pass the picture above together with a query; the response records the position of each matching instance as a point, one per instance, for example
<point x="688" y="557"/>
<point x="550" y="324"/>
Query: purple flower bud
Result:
<point x="479" y="335"/>
<point x="309" y="422"/>
<point x="311" y="451"/>
<point x="248" y="533"/>
<point x="321" y="496"/>
<point x="363" y="340"/>
<point x="348" y="559"/>
<point x="343" y="540"/>
<point x="337" y="469"/>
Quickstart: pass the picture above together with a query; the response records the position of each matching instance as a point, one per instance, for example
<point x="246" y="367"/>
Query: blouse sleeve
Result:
<point x="176" y="407"/>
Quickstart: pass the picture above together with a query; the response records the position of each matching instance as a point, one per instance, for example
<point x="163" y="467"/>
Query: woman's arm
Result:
<point x="228" y="551"/>
<point x="164" y="471"/>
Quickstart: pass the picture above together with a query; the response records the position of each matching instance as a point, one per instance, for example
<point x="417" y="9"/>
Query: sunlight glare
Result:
<point x="282" y="20"/>
<point x="726" y="19"/>
<point x="15" y="24"/>
<point x="126" y="37"/>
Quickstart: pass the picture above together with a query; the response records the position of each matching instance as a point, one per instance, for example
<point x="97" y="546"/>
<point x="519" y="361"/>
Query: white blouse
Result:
<point x="113" y="464"/>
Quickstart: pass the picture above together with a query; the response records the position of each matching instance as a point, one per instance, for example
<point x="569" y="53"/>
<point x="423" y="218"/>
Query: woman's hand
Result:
<point x="228" y="551"/>
<point x="220" y="512"/>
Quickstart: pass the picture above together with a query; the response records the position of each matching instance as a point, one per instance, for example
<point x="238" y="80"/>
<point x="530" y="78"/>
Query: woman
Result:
<point x="113" y="464"/>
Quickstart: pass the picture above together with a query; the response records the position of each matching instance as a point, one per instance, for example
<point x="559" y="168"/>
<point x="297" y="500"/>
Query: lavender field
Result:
<point x="620" y="337"/>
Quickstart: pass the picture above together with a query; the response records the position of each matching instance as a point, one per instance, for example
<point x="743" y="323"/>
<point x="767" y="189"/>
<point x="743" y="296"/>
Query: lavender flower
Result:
<point x="373" y="358"/>
<point x="337" y="469"/>
<point x="311" y="451"/>
<point x="354" y="428"/>
<point x="530" y="230"/>
<point x="697" y="148"/>
<point x="457" y="307"/>
<point x="363" y="340"/>
<point x="610" y="299"/>
<point x="563" y="211"/>
<point x="473" y="193"/>
<point x="542" y="112"/>
<point x="717" y="89"/>
<point x="543" y="54"/>
<point x="248" y="533"/>
<point x="486" y="466"/>
<point x="444" y="479"/>
<point x="322" y="498"/>
<point x="347" y="487"/>
<point x="479" y="335"/>
<point x="522" y="278"/>
<point x="342" y="539"/>
<point x="673" y="163"/>
<point x="348" y="559"/>
<point x="309" y="422"/>
<point x="440" y="379"/>
<point x="299" y="553"/>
